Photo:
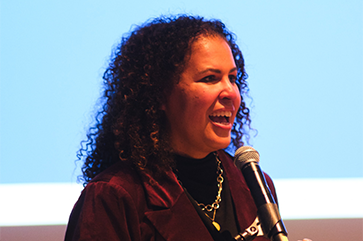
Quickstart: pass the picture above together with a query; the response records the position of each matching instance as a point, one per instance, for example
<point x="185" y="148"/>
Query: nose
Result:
<point x="229" y="91"/>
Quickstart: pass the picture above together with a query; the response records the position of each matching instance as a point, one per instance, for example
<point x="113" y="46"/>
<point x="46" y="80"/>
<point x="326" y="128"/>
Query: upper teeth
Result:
<point x="222" y="113"/>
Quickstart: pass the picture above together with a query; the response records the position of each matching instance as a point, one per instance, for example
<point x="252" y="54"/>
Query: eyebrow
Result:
<point x="216" y="70"/>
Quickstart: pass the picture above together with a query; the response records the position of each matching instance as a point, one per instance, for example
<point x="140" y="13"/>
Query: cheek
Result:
<point x="201" y="102"/>
<point x="192" y="99"/>
<point x="195" y="102"/>
<point x="177" y="99"/>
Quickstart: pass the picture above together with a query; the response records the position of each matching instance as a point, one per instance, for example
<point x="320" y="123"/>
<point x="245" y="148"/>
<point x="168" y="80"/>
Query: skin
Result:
<point x="207" y="88"/>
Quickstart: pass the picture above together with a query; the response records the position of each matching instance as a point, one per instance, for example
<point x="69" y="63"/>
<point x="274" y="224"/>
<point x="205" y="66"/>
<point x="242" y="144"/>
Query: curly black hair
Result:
<point x="142" y="71"/>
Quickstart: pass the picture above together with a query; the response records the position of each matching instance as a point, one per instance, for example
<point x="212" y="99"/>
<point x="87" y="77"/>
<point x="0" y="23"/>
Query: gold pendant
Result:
<point x="216" y="225"/>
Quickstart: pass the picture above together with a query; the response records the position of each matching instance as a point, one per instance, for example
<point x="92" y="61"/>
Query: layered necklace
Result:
<point x="215" y="205"/>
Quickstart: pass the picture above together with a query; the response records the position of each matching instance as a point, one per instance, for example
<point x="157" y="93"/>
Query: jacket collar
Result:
<point x="171" y="212"/>
<point x="162" y="195"/>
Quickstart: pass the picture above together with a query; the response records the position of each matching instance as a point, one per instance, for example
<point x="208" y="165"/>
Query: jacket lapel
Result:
<point x="171" y="212"/>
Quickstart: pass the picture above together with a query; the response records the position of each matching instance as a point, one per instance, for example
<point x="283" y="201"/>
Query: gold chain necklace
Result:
<point x="215" y="205"/>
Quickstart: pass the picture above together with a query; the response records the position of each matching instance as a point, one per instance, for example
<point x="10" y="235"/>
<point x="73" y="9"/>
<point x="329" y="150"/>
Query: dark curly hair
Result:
<point x="142" y="71"/>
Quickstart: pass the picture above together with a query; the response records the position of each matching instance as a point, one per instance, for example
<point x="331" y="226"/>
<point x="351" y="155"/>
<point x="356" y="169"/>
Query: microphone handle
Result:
<point x="267" y="209"/>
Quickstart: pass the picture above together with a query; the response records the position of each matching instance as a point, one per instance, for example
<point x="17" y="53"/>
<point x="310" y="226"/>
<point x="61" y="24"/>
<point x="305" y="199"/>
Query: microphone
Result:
<point x="246" y="159"/>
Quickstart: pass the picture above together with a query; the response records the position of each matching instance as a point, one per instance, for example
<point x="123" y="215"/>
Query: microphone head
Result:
<point x="244" y="155"/>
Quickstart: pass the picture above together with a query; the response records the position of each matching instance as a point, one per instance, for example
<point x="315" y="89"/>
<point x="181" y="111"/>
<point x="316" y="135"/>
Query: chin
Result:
<point x="222" y="144"/>
<point x="218" y="140"/>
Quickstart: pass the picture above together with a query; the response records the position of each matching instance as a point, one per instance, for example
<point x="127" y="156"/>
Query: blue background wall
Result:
<point x="304" y="61"/>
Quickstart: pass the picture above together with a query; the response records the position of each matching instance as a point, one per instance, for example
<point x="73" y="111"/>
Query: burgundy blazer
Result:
<point x="123" y="204"/>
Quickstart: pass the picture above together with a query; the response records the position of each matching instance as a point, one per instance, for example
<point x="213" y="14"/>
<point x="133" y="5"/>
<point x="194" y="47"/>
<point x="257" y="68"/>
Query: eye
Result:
<point x="209" y="78"/>
<point x="232" y="78"/>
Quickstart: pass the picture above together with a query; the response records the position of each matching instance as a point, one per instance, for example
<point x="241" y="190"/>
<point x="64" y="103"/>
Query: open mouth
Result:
<point x="221" y="117"/>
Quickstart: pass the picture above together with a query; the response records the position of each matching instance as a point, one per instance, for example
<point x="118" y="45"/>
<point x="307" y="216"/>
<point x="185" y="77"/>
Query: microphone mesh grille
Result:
<point x="244" y="154"/>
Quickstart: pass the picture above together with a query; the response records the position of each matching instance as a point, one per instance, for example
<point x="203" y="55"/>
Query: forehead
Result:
<point x="205" y="42"/>
<point x="211" y="51"/>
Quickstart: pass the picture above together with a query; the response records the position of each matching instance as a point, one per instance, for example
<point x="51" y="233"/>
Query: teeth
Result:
<point x="222" y="113"/>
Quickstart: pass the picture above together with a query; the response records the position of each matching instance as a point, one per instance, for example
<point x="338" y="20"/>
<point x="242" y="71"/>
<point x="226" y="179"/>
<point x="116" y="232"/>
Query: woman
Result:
<point x="155" y="168"/>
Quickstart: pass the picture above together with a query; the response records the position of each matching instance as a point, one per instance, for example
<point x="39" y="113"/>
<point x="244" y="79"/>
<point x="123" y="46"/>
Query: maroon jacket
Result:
<point x="122" y="204"/>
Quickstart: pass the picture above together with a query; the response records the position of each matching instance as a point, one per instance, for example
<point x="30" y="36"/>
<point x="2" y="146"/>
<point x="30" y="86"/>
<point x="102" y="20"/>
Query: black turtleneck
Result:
<point x="199" y="178"/>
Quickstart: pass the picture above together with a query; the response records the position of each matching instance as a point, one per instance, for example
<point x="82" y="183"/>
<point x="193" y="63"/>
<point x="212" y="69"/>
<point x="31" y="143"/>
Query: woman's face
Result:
<point x="202" y="107"/>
